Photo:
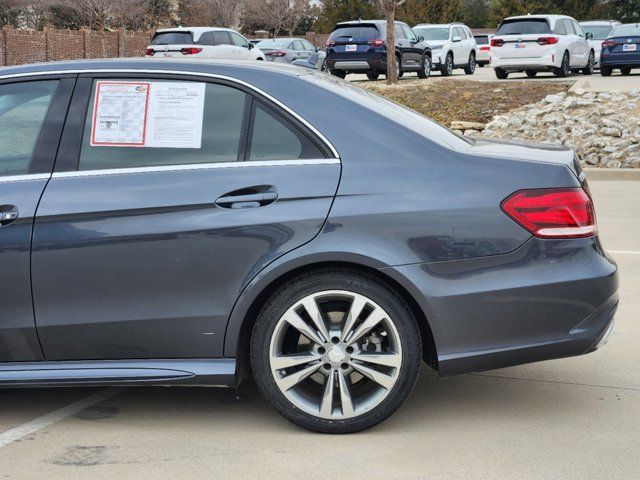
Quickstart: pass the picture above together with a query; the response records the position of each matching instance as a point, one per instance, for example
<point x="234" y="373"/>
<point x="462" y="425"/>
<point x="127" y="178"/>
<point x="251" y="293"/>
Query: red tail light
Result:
<point x="548" y="40"/>
<point x="609" y="43"/>
<point x="484" y="49"/>
<point x="190" y="50"/>
<point x="277" y="53"/>
<point x="331" y="43"/>
<point x="149" y="52"/>
<point x="378" y="42"/>
<point x="497" y="42"/>
<point x="553" y="213"/>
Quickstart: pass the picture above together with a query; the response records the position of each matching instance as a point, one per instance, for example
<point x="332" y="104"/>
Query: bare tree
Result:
<point x="218" y="13"/>
<point x="276" y="15"/>
<point x="390" y="12"/>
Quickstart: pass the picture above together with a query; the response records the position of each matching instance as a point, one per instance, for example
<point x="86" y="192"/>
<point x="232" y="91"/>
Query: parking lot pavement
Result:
<point x="594" y="82"/>
<point x="564" y="419"/>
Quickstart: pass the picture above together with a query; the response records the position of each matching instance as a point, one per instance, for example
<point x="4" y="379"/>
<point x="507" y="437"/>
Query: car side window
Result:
<point x="460" y="33"/>
<point x="23" y="109"/>
<point x="238" y="40"/>
<point x="297" y="45"/>
<point x="221" y="38"/>
<point x="578" y="29"/>
<point x="222" y="120"/>
<point x="206" y="38"/>
<point x="560" y="28"/>
<point x="275" y="138"/>
<point x="409" y="33"/>
<point x="308" y="46"/>
<point x="569" y="27"/>
<point x="399" y="32"/>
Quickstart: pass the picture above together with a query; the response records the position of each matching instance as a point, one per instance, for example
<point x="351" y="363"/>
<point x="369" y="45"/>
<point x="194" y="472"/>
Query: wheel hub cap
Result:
<point x="336" y="355"/>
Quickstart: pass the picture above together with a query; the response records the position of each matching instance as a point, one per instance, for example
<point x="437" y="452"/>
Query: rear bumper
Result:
<point x="546" y="300"/>
<point x="615" y="61"/>
<point x="547" y="62"/>
<point x="376" y="63"/>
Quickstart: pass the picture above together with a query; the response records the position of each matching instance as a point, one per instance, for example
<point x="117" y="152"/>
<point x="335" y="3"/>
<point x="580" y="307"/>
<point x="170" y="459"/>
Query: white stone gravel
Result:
<point x="603" y="128"/>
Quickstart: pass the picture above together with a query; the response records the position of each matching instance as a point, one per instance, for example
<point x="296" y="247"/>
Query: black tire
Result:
<point x="501" y="74"/>
<point x="446" y="70"/>
<point x="373" y="75"/>
<point x="481" y="64"/>
<point x="531" y="73"/>
<point x="606" y="71"/>
<point x="591" y="64"/>
<point x="625" y="71"/>
<point x="425" y="68"/>
<point x="399" y="71"/>
<point x="339" y="73"/>
<point x="565" y="67"/>
<point x="471" y="66"/>
<point x="323" y="67"/>
<point x="341" y="279"/>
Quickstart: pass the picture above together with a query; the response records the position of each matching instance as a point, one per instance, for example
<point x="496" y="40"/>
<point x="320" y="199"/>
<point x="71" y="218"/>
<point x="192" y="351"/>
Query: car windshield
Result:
<point x="355" y="33"/>
<point x="172" y="38"/>
<point x="524" y="26"/>
<point x="273" y="44"/>
<point x="433" y="33"/>
<point x="482" y="39"/>
<point x="599" y="32"/>
<point x="626" y="31"/>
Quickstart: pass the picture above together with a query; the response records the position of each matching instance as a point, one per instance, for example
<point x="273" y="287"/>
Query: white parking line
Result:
<point x="624" y="252"/>
<point x="50" y="418"/>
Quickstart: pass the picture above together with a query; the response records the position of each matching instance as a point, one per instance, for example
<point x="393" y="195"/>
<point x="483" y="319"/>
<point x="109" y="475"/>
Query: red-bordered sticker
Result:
<point x="120" y="114"/>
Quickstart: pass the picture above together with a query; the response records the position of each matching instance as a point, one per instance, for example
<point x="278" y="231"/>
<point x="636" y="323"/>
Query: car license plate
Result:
<point x="167" y="54"/>
<point x="350" y="48"/>
<point x="520" y="45"/>
<point x="629" y="47"/>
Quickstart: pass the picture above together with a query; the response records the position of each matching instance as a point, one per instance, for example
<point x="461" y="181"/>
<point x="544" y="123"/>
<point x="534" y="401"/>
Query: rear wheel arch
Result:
<point x="249" y="317"/>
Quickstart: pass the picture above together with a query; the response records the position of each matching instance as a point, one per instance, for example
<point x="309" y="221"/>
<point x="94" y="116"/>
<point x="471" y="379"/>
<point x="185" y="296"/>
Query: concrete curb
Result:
<point x="613" y="174"/>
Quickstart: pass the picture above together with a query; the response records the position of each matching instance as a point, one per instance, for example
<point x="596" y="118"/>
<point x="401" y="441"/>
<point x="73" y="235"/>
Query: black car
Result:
<point x="326" y="260"/>
<point x="361" y="47"/>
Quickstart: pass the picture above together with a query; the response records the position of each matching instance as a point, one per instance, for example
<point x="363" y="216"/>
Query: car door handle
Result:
<point x="8" y="214"/>
<point x="247" y="200"/>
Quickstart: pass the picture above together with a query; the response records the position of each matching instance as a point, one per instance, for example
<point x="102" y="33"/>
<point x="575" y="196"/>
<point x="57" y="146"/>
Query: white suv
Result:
<point x="600" y="30"/>
<point x="538" y="43"/>
<point x="202" y="42"/>
<point x="452" y="46"/>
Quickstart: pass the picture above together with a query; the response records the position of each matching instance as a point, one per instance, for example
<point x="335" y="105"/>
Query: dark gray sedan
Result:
<point x="286" y="50"/>
<point x="192" y="223"/>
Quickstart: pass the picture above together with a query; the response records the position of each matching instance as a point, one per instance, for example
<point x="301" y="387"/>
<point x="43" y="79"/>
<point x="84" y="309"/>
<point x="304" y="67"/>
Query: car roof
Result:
<point x="600" y="22"/>
<point x="280" y="39"/>
<point x="195" y="29"/>
<point x="441" y="25"/>
<point x="375" y="22"/>
<point x="550" y="17"/>
<point x="188" y="65"/>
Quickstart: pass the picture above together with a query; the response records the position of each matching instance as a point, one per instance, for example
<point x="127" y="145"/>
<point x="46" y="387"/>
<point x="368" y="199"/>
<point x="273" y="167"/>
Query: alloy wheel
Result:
<point x="335" y="354"/>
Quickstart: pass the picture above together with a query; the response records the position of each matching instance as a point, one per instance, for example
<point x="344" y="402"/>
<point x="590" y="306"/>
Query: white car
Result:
<point x="202" y="42"/>
<point x="483" y="40"/>
<point x="452" y="46"/>
<point x="600" y="30"/>
<point x="540" y="43"/>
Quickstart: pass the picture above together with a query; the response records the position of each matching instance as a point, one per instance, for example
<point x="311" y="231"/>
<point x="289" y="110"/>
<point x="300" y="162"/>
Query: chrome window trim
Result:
<point x="185" y="73"/>
<point x="195" y="166"/>
<point x="25" y="178"/>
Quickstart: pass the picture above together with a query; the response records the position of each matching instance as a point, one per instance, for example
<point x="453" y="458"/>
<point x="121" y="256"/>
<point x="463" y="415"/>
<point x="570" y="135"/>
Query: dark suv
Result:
<point x="361" y="47"/>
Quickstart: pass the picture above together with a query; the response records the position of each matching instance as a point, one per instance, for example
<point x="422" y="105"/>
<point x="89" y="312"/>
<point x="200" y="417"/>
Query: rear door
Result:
<point x="32" y="112"/>
<point x="242" y="46"/>
<point x="219" y="45"/>
<point x="148" y="230"/>
<point x="580" y="45"/>
<point x="413" y="47"/>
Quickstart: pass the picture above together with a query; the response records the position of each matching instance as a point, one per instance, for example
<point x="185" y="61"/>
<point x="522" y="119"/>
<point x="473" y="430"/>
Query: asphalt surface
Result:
<point x="595" y="82"/>
<point x="576" y="418"/>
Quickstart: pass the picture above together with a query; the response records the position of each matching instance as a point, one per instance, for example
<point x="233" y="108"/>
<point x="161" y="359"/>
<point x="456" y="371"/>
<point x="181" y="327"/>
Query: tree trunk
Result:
<point x="391" y="48"/>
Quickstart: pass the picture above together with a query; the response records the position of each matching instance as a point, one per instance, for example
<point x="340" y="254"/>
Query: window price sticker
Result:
<point x="148" y="114"/>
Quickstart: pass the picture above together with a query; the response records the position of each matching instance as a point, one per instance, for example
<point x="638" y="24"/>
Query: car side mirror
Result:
<point x="589" y="36"/>
<point x="316" y="49"/>
<point x="420" y="38"/>
<point x="250" y="46"/>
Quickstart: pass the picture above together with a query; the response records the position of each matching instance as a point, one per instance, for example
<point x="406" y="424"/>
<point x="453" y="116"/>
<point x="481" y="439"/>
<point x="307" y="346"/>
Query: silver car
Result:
<point x="286" y="50"/>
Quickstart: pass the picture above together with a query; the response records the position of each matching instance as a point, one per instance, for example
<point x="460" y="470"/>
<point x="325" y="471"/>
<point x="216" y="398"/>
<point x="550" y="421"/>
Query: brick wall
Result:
<point x="27" y="46"/>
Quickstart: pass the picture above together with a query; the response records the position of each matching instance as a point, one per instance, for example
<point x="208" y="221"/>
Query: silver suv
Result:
<point x="452" y="46"/>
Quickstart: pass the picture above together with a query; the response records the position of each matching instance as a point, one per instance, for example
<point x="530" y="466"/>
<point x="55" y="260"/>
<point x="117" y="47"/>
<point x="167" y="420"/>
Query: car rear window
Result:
<point x="524" y="27"/>
<point x="600" y="32"/>
<point x="433" y="33"/>
<point x="273" y="44"/>
<point x="363" y="32"/>
<point x="626" y="31"/>
<point x="482" y="39"/>
<point x="172" y="38"/>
